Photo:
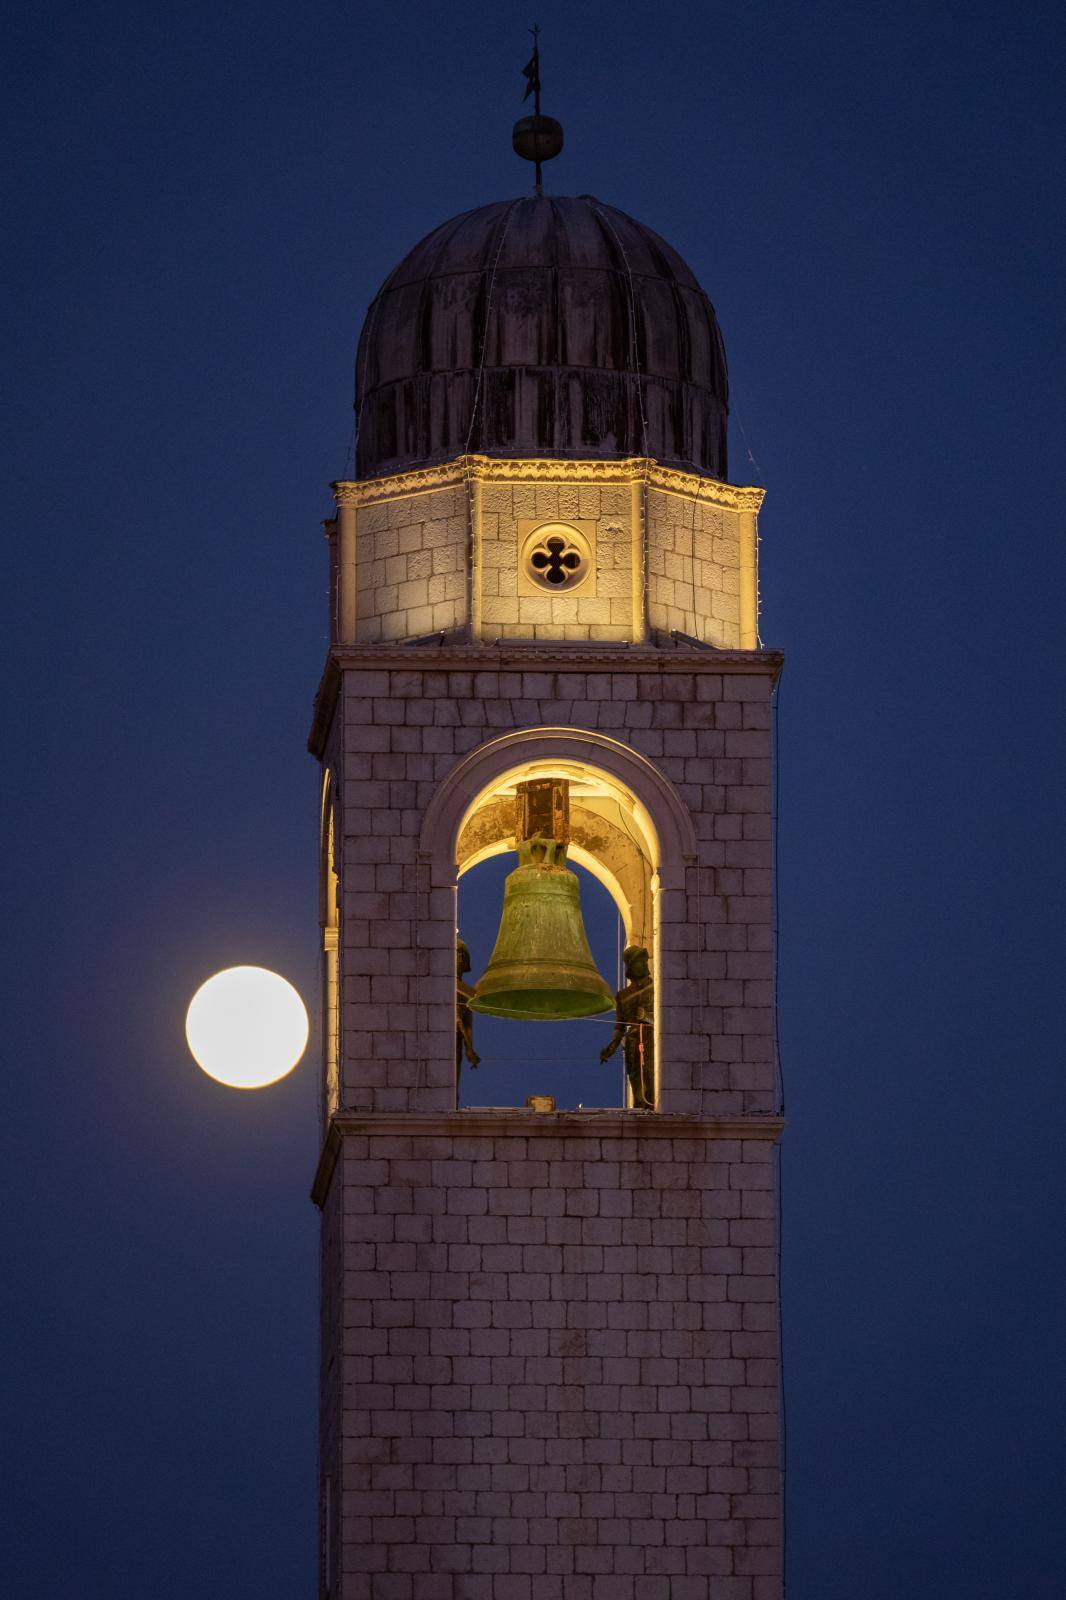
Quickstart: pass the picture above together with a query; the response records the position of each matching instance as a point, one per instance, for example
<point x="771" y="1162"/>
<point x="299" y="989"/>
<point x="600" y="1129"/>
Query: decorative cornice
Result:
<point x="494" y="1123"/>
<point x="549" y="655"/>
<point x="517" y="656"/>
<point x="366" y="491"/>
<point x="549" y="469"/>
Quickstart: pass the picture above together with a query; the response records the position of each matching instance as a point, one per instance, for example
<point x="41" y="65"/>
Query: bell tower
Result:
<point x="549" y="1337"/>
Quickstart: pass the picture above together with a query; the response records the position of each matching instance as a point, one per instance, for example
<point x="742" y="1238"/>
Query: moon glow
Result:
<point x="246" y="1027"/>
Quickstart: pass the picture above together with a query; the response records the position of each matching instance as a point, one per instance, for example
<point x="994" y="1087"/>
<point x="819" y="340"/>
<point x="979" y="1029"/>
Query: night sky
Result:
<point x="203" y="200"/>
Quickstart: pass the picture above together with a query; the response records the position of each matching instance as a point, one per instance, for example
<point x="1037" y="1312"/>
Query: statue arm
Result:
<point x="464" y="1023"/>
<point x="614" y="1041"/>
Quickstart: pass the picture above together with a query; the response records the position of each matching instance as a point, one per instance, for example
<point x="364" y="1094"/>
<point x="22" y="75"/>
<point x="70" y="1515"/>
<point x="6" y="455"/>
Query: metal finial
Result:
<point x="536" y="138"/>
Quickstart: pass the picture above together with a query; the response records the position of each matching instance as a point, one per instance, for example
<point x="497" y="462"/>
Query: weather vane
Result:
<point x="531" y="71"/>
<point x="536" y="138"/>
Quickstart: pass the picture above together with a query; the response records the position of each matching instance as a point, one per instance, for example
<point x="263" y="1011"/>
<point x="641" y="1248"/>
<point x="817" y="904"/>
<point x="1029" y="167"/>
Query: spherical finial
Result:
<point x="537" y="138"/>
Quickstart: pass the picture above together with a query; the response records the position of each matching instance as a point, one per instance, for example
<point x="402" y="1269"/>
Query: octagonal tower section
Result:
<point x="621" y="552"/>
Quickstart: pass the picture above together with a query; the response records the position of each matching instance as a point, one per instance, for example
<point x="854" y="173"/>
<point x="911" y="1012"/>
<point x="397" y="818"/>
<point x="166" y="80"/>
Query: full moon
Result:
<point x="246" y="1027"/>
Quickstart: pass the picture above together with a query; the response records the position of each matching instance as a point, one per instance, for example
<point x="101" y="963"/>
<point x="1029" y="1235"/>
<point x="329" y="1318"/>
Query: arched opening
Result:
<point x="613" y="850"/>
<point x="660" y="903"/>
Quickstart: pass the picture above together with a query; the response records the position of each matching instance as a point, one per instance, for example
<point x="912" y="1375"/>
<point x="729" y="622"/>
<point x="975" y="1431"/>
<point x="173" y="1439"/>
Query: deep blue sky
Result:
<point x="202" y="202"/>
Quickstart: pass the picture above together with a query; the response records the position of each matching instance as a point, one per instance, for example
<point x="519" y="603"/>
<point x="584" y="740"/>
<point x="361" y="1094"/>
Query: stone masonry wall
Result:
<point x="693" y="578"/>
<point x="702" y="719"/>
<point x="411" y="565"/>
<point x="559" y="1361"/>
<point x="432" y="558"/>
<point x="602" y="609"/>
<point x="331" y="1386"/>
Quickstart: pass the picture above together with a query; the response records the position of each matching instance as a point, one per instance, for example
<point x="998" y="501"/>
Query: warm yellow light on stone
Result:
<point x="246" y="1027"/>
<point x="444" y="548"/>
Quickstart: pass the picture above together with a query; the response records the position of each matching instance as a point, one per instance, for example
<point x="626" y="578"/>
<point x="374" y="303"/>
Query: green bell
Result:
<point x="542" y="969"/>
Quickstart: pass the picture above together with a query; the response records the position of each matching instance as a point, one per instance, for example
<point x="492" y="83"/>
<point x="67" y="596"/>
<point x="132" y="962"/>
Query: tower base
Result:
<point x="553" y="1371"/>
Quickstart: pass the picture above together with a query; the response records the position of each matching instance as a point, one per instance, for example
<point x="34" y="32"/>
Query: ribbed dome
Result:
<point x="543" y="326"/>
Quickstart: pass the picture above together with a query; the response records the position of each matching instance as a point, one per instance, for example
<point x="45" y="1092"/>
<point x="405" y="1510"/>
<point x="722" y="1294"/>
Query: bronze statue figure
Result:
<point x="635" y="1028"/>
<point x="464" y="1017"/>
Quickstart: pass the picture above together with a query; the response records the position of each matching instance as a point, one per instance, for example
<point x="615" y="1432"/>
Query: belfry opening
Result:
<point x="574" y="949"/>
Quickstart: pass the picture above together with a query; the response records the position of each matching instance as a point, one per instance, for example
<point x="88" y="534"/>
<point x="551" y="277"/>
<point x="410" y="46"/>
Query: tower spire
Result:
<point x="536" y="138"/>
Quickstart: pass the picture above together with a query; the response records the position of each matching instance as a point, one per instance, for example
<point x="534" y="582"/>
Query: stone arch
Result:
<point x="672" y="836"/>
<point x="657" y="810"/>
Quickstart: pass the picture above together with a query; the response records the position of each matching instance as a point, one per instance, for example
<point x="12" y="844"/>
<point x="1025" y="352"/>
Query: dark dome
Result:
<point x="543" y="326"/>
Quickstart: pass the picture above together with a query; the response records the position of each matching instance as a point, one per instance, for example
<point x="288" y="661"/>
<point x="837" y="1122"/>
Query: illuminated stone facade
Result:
<point x="439" y="551"/>
<point x="689" y="725"/>
<point x="549" y="1339"/>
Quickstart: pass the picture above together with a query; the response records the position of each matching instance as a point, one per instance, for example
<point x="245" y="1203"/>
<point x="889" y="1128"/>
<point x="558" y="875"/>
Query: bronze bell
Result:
<point x="541" y="969"/>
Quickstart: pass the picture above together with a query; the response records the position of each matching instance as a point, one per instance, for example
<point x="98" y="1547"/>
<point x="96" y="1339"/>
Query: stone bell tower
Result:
<point x="549" y="1339"/>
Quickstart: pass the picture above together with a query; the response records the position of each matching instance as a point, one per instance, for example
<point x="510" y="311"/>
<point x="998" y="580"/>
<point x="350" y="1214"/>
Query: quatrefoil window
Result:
<point x="557" y="557"/>
<point x="555" y="561"/>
